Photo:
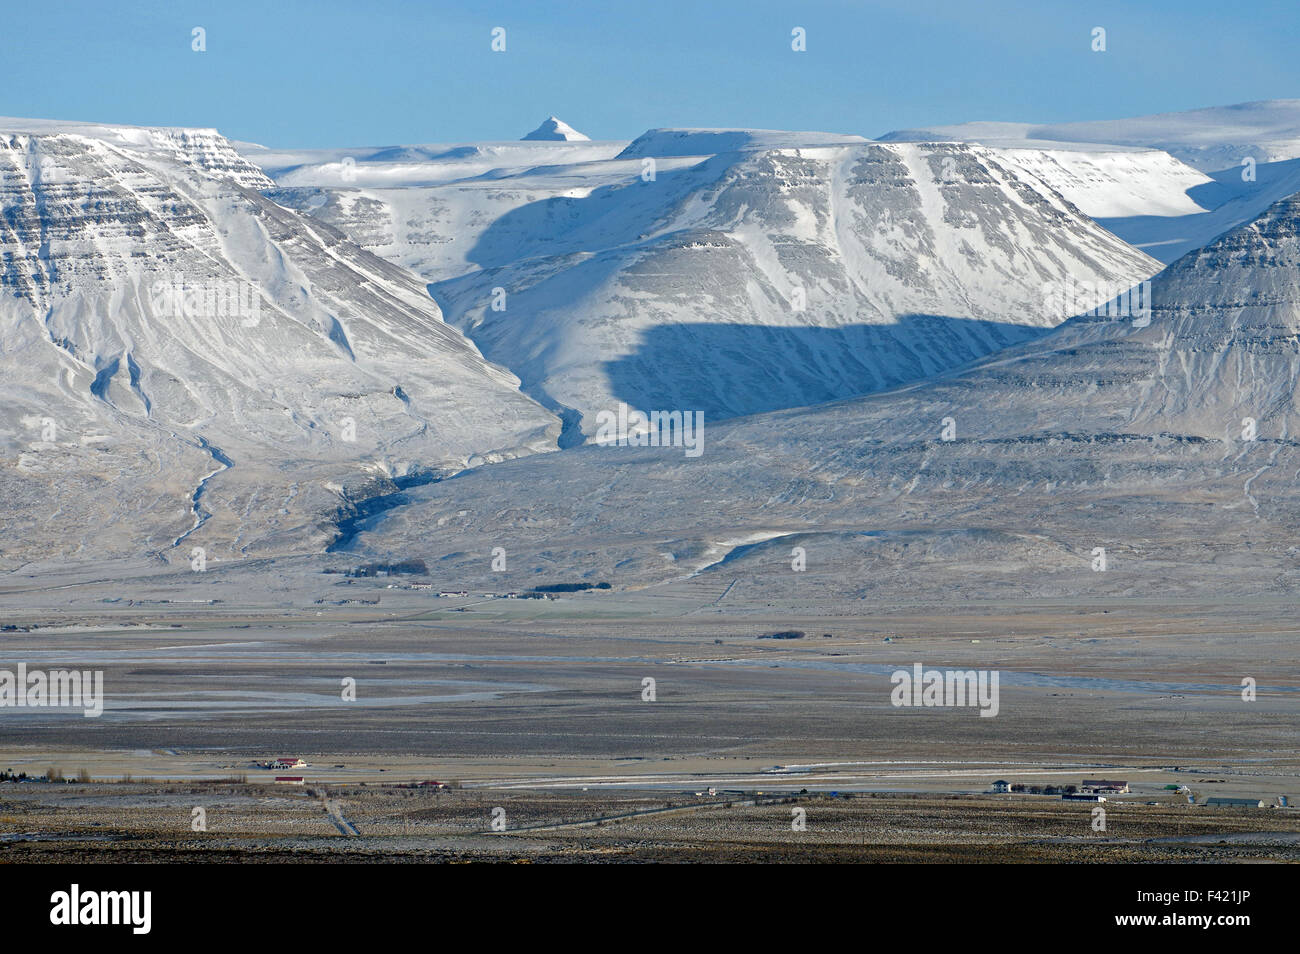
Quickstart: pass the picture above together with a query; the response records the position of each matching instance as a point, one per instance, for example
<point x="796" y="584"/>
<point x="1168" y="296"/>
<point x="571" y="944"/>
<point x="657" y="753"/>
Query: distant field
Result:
<point x="547" y="715"/>
<point x="253" y="824"/>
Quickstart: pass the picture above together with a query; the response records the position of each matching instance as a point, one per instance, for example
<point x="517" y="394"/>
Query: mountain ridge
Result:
<point x="159" y="310"/>
<point x="1106" y="439"/>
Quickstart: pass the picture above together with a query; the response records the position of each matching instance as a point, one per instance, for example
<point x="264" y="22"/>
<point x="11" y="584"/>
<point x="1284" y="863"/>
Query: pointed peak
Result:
<point x="556" y="130"/>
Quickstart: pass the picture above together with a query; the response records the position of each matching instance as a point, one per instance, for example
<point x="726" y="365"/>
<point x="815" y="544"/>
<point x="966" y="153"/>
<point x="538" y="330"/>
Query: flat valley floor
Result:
<point x="664" y="725"/>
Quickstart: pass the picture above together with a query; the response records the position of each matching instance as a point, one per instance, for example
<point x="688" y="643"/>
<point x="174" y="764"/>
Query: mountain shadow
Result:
<point x="730" y="370"/>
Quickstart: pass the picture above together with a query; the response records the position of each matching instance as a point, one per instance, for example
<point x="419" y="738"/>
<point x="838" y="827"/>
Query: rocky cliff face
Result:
<point x="1117" y="455"/>
<point x="185" y="362"/>
<point x="774" y="274"/>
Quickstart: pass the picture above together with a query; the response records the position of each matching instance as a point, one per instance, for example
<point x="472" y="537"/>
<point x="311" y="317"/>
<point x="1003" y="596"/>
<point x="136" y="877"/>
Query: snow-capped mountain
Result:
<point x="185" y="363"/>
<point x="1116" y="455"/>
<point x="1211" y="139"/>
<point x="555" y="130"/>
<point x="1111" y="184"/>
<point x="390" y="167"/>
<point x="424" y="207"/>
<point x="710" y="142"/>
<point x="786" y="270"/>
<point x="1166" y="184"/>
<point x="777" y="278"/>
<point x="205" y="151"/>
<point x="246" y="376"/>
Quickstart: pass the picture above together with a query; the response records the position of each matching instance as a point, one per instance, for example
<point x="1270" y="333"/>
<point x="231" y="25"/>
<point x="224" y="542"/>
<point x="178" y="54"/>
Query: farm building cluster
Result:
<point x="1099" y="789"/>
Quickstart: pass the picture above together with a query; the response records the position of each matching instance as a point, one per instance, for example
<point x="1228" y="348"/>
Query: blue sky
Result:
<point x="376" y="72"/>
